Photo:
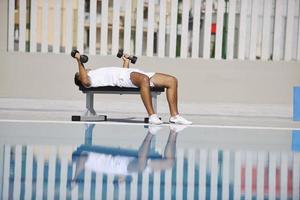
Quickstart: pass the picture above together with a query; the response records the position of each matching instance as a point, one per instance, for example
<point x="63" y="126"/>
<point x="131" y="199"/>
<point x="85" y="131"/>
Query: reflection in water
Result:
<point x="112" y="172"/>
<point x="124" y="162"/>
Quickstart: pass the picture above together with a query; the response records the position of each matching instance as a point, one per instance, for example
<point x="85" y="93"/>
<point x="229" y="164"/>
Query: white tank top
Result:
<point x="109" y="164"/>
<point x="114" y="76"/>
<point x="105" y="163"/>
<point x="108" y="76"/>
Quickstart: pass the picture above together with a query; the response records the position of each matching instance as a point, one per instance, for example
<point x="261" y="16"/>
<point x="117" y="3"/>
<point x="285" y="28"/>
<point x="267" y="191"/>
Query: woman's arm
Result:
<point x="83" y="77"/>
<point x="125" y="61"/>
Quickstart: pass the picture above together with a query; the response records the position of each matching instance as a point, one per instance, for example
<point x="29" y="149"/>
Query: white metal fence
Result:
<point x="220" y="29"/>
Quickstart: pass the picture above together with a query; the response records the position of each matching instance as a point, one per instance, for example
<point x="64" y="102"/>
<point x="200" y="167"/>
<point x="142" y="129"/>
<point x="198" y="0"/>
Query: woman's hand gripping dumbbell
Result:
<point x="83" y="58"/>
<point x="131" y="58"/>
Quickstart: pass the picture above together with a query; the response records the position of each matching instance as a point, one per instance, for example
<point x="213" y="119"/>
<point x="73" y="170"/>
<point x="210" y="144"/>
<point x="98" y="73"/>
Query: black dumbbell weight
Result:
<point x="131" y="58"/>
<point x="83" y="58"/>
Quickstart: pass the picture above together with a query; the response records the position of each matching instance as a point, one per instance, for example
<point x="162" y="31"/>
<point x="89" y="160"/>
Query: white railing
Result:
<point x="32" y="171"/>
<point x="220" y="29"/>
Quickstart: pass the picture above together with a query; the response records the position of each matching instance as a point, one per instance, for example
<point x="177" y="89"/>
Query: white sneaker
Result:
<point x="153" y="119"/>
<point x="177" y="127"/>
<point x="179" y="120"/>
<point x="153" y="129"/>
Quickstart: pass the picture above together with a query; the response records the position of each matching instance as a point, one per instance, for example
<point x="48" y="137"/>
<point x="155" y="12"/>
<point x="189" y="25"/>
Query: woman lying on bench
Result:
<point x="129" y="77"/>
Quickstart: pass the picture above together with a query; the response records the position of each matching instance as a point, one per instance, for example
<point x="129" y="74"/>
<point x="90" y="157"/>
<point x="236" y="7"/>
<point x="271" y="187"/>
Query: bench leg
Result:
<point x="90" y="104"/>
<point x="88" y="138"/>
<point x="90" y="113"/>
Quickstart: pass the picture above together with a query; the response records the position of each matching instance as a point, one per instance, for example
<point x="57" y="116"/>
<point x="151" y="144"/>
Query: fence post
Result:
<point x="225" y="30"/>
<point x="3" y="22"/>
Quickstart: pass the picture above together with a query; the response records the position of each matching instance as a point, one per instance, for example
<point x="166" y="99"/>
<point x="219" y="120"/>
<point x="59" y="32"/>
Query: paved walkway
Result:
<point x="131" y="110"/>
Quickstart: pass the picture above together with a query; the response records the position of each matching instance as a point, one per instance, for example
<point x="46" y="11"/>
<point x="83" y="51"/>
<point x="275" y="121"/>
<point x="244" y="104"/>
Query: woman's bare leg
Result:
<point x="143" y="82"/>
<point x="169" y="155"/>
<point x="171" y="83"/>
<point x="80" y="164"/>
<point x="140" y="163"/>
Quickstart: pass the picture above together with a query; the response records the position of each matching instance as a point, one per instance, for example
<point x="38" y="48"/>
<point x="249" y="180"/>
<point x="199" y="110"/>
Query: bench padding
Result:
<point x="112" y="89"/>
<point x="117" y="89"/>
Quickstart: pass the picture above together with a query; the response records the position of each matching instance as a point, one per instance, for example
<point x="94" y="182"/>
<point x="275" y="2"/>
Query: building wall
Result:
<point x="38" y="75"/>
<point x="215" y="81"/>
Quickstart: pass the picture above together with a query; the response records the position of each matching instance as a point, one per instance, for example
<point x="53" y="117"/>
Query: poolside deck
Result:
<point x="131" y="110"/>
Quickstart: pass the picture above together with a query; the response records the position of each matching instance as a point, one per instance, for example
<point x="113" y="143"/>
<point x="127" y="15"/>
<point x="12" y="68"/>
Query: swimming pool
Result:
<point x="51" y="160"/>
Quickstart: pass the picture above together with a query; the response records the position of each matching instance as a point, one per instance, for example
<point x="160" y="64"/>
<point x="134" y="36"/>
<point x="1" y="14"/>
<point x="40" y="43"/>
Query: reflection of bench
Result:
<point x="89" y="147"/>
<point x="90" y="114"/>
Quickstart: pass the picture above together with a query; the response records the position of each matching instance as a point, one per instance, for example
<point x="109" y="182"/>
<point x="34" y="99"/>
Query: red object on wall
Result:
<point x="213" y="28"/>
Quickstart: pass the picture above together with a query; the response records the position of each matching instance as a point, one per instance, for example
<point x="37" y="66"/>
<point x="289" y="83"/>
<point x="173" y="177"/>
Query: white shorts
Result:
<point x="125" y="80"/>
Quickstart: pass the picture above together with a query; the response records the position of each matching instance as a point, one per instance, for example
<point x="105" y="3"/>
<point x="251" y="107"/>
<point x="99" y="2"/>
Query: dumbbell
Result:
<point x="131" y="58"/>
<point x="83" y="58"/>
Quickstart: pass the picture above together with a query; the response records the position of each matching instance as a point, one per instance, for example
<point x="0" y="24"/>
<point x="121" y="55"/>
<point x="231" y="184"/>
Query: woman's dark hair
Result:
<point x="77" y="81"/>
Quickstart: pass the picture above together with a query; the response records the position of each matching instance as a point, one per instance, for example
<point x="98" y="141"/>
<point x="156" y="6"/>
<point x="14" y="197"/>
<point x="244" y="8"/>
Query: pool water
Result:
<point x="47" y="160"/>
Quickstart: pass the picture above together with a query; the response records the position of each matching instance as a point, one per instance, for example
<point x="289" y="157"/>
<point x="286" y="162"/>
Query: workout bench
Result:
<point x="90" y="114"/>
